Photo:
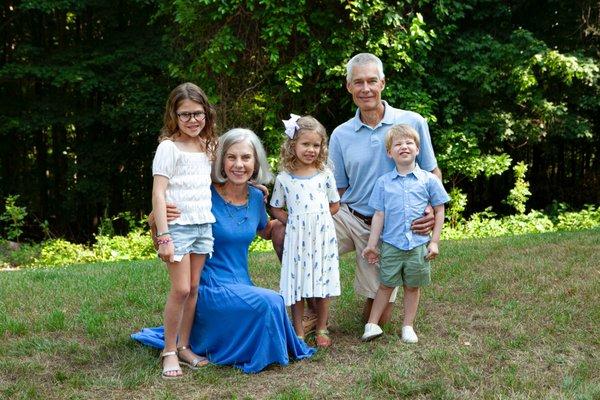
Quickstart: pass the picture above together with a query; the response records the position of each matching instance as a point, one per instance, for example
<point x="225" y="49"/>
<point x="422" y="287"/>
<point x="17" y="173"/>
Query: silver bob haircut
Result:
<point x="262" y="171"/>
<point x="364" y="59"/>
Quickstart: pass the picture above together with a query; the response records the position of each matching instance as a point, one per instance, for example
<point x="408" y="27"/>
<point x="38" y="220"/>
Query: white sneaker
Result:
<point x="371" y="332"/>
<point x="409" y="335"/>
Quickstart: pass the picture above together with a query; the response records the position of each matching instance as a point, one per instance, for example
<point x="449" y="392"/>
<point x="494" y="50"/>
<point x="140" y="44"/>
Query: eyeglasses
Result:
<point x="187" y="116"/>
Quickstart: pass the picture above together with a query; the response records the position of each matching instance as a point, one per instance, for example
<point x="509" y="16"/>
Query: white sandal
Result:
<point x="196" y="362"/>
<point x="166" y="370"/>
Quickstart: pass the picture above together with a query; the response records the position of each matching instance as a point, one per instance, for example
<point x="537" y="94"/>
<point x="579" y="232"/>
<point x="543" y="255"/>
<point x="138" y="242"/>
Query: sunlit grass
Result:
<point x="505" y="318"/>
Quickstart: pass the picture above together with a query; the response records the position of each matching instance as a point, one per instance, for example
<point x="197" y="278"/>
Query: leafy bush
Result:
<point x="584" y="219"/>
<point x="136" y="245"/>
<point x="14" y="217"/>
<point x="57" y="252"/>
<point x="22" y="254"/>
<point x="261" y="245"/>
<point x="458" y="203"/>
<point x="484" y="224"/>
<point x="534" y="222"/>
<point x="520" y="193"/>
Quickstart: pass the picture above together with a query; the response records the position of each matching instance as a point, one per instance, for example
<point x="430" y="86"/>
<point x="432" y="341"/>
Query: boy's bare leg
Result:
<point x="380" y="304"/>
<point x="411" y="303"/>
<point x="386" y="315"/>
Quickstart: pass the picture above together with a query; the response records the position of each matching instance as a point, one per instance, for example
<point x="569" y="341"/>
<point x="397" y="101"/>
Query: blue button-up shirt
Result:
<point x="403" y="199"/>
<point x="358" y="155"/>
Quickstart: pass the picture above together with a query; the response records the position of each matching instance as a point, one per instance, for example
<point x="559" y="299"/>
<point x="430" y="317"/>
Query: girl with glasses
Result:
<point x="181" y="170"/>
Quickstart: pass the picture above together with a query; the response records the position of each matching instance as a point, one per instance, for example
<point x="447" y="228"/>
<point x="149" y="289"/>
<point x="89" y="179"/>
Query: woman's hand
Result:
<point x="262" y="188"/>
<point x="424" y="225"/>
<point x="172" y="212"/>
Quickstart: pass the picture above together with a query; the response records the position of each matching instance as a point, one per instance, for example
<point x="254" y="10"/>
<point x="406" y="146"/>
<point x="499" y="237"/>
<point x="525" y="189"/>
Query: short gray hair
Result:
<point x="364" y="59"/>
<point x="262" y="171"/>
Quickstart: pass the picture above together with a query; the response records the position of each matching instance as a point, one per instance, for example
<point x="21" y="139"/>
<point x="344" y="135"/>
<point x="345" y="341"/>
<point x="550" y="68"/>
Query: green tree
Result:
<point x="494" y="85"/>
<point x="83" y="86"/>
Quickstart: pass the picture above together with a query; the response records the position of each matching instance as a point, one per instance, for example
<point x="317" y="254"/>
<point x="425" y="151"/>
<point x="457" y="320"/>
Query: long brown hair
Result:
<point x="190" y="91"/>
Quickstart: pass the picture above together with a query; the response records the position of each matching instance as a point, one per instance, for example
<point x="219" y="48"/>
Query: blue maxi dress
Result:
<point x="237" y="323"/>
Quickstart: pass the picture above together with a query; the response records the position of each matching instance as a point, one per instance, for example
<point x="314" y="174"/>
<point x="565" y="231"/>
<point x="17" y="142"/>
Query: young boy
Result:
<point x="398" y="198"/>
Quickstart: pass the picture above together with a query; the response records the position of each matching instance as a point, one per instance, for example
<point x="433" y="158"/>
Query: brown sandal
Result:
<point x="196" y="362"/>
<point x="323" y="339"/>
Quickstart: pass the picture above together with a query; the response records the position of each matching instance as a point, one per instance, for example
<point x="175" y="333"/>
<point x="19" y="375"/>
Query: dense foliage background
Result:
<point x="510" y="90"/>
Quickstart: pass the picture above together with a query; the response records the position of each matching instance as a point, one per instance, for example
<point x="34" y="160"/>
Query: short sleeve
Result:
<point x="258" y="202"/>
<point x="278" y="196"/>
<point x="377" y="196"/>
<point x="331" y="188"/>
<point x="336" y="160"/>
<point x="426" y="158"/>
<point x="264" y="218"/>
<point x="437" y="193"/>
<point x="165" y="159"/>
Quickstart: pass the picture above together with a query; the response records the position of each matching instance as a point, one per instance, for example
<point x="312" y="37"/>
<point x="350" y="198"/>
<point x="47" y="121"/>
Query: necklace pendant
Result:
<point x="232" y="212"/>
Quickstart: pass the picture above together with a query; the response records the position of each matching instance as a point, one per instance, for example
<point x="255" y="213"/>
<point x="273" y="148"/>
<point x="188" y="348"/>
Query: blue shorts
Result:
<point x="191" y="239"/>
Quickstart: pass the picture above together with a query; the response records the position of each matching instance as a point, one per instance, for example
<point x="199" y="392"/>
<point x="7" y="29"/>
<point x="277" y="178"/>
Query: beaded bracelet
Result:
<point x="163" y="241"/>
<point x="162" y="234"/>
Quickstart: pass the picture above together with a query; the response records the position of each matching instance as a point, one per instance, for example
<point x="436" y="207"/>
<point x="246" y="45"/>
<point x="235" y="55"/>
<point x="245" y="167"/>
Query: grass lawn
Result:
<point x="505" y="318"/>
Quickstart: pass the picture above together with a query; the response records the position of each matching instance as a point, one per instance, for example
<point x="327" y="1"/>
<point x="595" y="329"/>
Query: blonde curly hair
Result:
<point x="288" y="158"/>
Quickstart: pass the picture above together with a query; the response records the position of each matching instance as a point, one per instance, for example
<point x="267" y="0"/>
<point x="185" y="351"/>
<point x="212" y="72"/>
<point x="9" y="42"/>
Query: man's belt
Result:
<point x="363" y="218"/>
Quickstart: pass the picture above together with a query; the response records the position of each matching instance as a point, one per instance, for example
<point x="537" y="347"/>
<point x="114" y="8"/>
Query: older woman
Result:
<point x="237" y="323"/>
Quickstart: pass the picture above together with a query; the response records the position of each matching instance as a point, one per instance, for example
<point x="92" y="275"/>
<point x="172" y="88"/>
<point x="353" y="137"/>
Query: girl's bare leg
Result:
<point x="297" y="314"/>
<point x="322" y="306"/>
<point x="179" y="275"/>
<point x="189" y="309"/>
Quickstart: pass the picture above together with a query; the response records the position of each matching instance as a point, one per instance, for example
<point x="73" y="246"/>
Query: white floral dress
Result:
<point x="310" y="264"/>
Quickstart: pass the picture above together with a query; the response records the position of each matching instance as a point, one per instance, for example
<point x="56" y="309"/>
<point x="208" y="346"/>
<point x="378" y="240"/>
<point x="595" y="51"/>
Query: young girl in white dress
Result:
<point x="306" y="187"/>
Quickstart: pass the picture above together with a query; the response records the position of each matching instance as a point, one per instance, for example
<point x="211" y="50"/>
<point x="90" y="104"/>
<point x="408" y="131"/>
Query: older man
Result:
<point x="357" y="152"/>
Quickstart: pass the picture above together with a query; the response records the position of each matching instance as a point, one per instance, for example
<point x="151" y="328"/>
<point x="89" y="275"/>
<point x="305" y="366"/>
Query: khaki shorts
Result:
<point x="353" y="235"/>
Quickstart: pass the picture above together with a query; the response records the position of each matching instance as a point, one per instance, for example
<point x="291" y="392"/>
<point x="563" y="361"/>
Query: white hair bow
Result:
<point x="291" y="125"/>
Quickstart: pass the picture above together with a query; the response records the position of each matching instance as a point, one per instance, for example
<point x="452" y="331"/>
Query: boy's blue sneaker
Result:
<point x="371" y="332"/>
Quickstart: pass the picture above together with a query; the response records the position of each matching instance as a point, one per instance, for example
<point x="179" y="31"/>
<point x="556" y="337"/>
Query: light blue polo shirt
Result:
<point x="358" y="155"/>
<point x="403" y="199"/>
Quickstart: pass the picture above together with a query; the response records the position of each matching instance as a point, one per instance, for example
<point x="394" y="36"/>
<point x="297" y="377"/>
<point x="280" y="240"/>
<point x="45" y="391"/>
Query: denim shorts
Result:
<point x="404" y="267"/>
<point x="191" y="239"/>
